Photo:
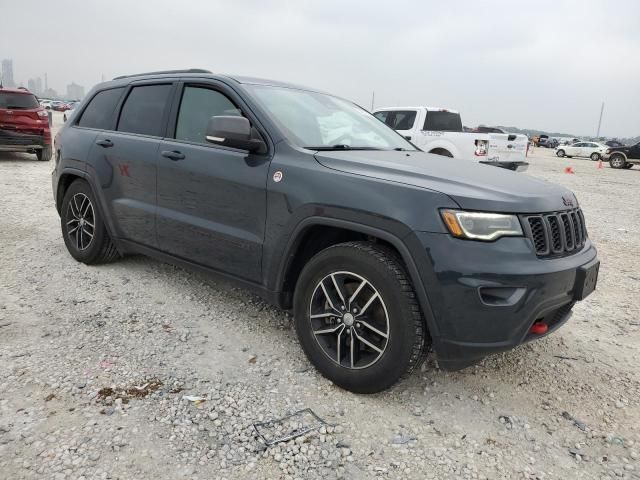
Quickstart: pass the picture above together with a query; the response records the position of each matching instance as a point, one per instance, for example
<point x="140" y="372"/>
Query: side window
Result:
<point x="382" y="116"/>
<point x="143" y="110"/>
<point x="401" y="119"/>
<point x="198" y="105"/>
<point x="99" y="112"/>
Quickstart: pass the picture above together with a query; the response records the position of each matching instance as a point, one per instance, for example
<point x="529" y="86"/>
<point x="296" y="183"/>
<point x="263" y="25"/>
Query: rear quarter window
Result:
<point x="440" y="121"/>
<point x="99" y="112"/>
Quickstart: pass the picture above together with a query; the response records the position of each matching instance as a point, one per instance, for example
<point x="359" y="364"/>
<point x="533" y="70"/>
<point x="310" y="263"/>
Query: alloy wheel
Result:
<point x="349" y="320"/>
<point x="81" y="226"/>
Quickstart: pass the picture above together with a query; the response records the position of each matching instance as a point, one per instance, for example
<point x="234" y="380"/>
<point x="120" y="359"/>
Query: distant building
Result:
<point x="75" y="91"/>
<point x="35" y="85"/>
<point x="7" y="73"/>
<point x="50" y="93"/>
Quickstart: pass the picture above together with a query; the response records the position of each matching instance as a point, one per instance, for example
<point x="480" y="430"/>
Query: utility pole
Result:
<point x="600" y="120"/>
<point x="373" y="99"/>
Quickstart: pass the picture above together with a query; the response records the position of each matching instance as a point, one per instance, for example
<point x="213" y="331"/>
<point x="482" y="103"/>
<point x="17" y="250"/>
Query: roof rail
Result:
<point x="162" y="72"/>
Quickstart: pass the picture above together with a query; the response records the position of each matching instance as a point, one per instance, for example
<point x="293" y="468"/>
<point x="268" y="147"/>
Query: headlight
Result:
<point x="481" y="226"/>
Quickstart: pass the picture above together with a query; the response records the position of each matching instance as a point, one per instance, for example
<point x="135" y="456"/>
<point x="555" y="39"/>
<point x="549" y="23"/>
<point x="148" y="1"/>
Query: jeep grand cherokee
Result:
<point x="381" y="251"/>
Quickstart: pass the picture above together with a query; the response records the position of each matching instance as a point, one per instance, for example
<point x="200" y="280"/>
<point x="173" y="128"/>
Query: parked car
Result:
<point x="60" y="106"/>
<point x="439" y="131"/>
<point x="547" y="142"/>
<point x="24" y="124"/>
<point x="594" y="151"/>
<point x="67" y="113"/>
<point x="623" y="157"/>
<point x="46" y="104"/>
<point x="381" y="251"/>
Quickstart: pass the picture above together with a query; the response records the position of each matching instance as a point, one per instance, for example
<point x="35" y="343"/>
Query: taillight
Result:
<point x="482" y="148"/>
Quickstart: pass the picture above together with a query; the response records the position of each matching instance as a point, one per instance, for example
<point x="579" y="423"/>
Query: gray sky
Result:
<point x="542" y="64"/>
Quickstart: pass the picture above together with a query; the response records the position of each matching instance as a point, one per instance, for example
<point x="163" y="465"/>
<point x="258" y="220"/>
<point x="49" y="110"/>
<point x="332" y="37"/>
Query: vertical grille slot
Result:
<point x="539" y="235"/>
<point x="567" y="228"/>
<point x="556" y="234"/>
<point x="577" y="228"/>
<point x="556" y="237"/>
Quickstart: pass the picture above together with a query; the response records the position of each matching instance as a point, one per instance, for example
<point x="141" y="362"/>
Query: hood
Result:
<point x="471" y="185"/>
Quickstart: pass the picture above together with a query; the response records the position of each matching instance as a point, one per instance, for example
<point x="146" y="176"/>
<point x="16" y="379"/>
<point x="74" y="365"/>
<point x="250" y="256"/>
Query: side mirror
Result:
<point x="232" y="131"/>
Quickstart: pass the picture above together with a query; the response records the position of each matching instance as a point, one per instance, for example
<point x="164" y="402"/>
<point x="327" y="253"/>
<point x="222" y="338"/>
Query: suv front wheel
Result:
<point x="83" y="229"/>
<point x="357" y="317"/>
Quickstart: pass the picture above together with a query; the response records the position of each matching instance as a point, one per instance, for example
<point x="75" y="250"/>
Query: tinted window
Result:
<point x="443" y="122"/>
<point x="401" y="119"/>
<point x="197" y="107"/>
<point x="143" y="110"/>
<point x="99" y="112"/>
<point x="382" y="116"/>
<point x="18" y="101"/>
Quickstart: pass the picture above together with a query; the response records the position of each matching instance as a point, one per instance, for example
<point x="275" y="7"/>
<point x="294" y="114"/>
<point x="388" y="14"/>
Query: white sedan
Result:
<point x="594" y="151"/>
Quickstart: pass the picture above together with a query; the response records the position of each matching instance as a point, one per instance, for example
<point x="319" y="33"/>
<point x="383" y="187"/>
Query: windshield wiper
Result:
<point x="339" y="146"/>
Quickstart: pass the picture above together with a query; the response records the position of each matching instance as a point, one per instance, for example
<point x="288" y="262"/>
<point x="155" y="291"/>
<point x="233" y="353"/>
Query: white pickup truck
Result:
<point x="439" y="131"/>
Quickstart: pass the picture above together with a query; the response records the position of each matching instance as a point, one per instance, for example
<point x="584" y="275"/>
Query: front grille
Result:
<point x="556" y="234"/>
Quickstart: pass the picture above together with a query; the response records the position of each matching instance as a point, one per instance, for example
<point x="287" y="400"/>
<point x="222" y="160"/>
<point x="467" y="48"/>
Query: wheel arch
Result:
<point x="624" y="155"/>
<point x="299" y="250"/>
<point x="67" y="177"/>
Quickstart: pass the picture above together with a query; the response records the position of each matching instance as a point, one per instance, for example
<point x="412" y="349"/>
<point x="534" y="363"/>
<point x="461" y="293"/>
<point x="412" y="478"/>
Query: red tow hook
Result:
<point x="539" y="328"/>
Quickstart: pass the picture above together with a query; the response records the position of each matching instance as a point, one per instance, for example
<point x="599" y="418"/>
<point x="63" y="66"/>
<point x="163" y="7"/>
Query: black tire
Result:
<point x="595" y="156"/>
<point x="90" y="242"/>
<point x="617" y="161"/>
<point x="407" y="340"/>
<point x="560" y="153"/>
<point x="44" y="155"/>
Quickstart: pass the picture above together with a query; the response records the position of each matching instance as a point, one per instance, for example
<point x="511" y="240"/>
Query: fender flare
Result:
<point x="394" y="240"/>
<point x="100" y="200"/>
<point x="620" y="153"/>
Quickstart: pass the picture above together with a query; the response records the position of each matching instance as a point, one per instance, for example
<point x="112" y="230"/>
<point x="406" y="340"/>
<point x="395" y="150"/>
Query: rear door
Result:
<point x="126" y="159"/>
<point x="211" y="199"/>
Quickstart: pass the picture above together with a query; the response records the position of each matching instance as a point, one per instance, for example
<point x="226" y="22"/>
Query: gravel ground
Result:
<point x="138" y="369"/>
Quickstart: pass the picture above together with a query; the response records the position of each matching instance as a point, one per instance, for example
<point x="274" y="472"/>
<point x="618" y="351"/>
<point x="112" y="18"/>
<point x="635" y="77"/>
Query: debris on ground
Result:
<point x="289" y="427"/>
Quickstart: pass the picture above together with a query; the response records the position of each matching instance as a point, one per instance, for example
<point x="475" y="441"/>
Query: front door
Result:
<point x="211" y="199"/>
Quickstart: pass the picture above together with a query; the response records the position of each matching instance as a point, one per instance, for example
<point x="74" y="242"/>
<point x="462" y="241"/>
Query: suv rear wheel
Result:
<point x="357" y="317"/>
<point x="44" y="154"/>
<point x="83" y="229"/>
<point x="617" y="161"/>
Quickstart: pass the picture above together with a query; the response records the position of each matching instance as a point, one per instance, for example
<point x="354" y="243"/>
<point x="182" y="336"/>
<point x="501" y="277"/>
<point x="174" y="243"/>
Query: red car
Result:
<point x="24" y="124"/>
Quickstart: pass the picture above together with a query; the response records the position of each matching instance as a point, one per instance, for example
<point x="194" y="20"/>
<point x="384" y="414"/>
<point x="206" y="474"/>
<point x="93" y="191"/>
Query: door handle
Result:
<point x="105" y="143"/>
<point x="173" y="155"/>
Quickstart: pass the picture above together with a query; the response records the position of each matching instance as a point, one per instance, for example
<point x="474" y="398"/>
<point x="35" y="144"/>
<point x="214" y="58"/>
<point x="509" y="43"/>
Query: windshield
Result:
<point x="18" y="101"/>
<point x="318" y="121"/>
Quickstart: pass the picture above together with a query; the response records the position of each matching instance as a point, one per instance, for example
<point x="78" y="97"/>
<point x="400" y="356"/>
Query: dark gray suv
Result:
<point x="383" y="252"/>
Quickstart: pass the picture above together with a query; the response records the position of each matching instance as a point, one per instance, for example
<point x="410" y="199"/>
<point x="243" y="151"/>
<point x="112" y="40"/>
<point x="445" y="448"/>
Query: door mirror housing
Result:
<point x="233" y="131"/>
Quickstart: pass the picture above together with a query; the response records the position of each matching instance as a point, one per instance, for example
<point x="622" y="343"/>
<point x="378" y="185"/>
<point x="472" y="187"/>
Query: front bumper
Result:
<point x="485" y="296"/>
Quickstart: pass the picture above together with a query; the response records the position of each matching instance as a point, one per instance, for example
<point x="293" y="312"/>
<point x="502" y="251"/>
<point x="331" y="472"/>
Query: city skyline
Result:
<point x="37" y="86"/>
